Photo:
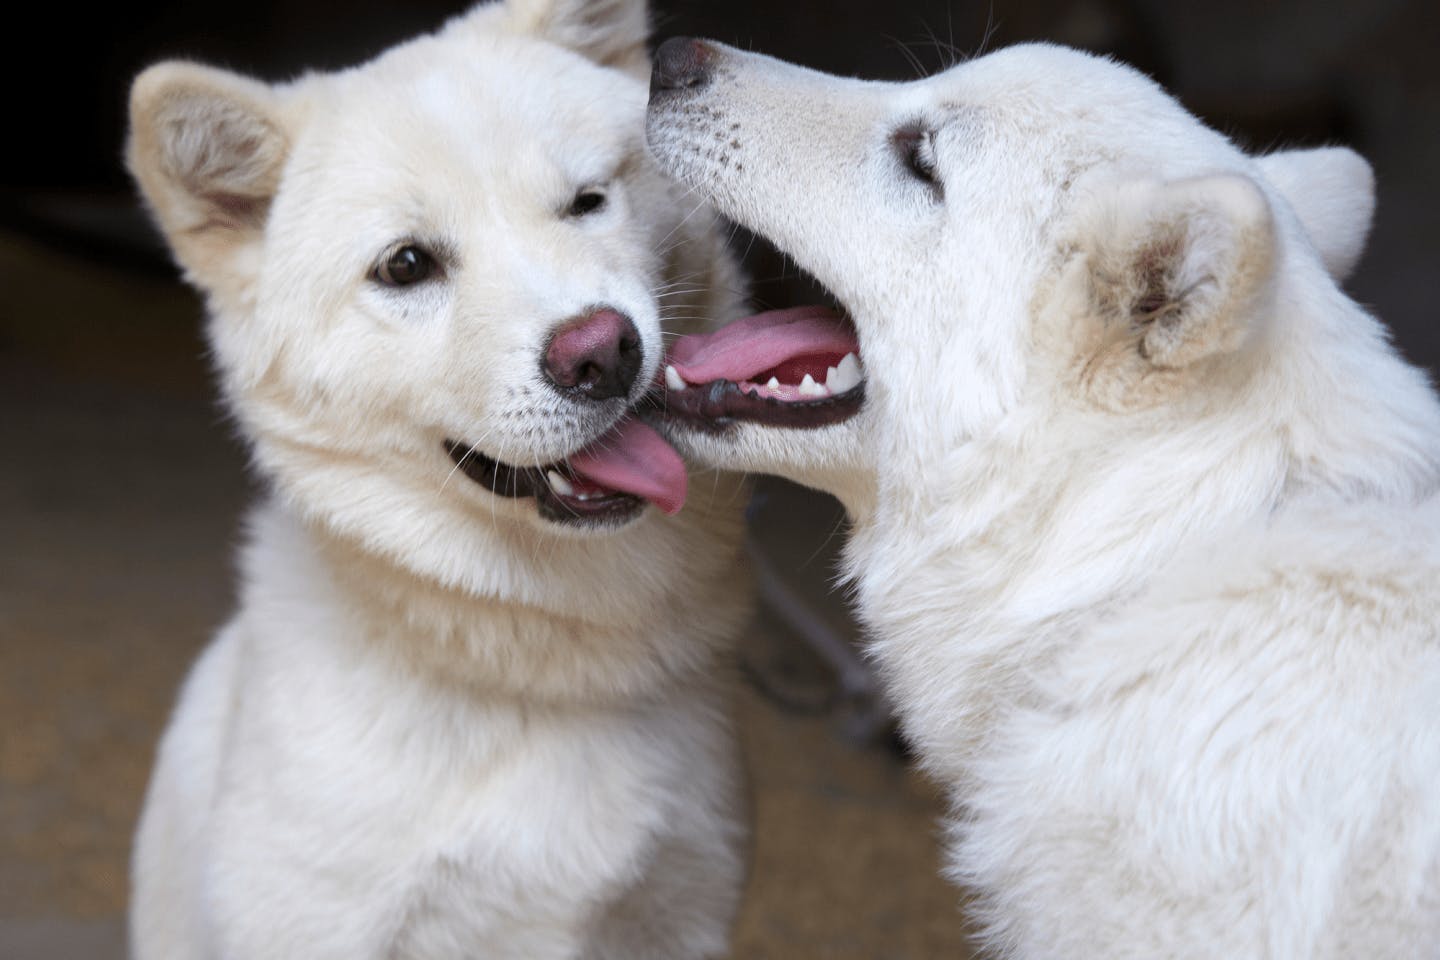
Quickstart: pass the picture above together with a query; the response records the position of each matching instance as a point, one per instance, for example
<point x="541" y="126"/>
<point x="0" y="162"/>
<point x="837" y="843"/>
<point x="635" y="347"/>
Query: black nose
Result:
<point x="681" y="63"/>
<point x="596" y="356"/>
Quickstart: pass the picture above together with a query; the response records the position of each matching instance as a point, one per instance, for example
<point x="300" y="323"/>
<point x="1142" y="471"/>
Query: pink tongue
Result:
<point x="745" y="348"/>
<point x="633" y="458"/>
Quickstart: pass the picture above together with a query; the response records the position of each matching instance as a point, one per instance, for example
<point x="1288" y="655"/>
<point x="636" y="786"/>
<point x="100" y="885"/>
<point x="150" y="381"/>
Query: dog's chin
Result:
<point x="560" y="496"/>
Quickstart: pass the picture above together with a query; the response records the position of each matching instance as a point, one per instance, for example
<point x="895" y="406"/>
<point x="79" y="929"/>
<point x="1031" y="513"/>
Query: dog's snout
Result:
<point x="596" y="356"/>
<point x="681" y="63"/>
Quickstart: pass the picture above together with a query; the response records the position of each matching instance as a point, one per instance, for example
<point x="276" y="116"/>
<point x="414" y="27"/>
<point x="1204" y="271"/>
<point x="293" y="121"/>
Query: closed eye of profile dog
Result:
<point x="1146" y="510"/>
<point x="474" y="701"/>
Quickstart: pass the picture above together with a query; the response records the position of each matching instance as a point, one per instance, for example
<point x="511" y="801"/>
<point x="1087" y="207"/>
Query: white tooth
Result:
<point x="673" y="380"/>
<point x="847" y="376"/>
<point x="559" y="484"/>
<point x="809" y="388"/>
<point x="830" y="380"/>
<point x="774" y="383"/>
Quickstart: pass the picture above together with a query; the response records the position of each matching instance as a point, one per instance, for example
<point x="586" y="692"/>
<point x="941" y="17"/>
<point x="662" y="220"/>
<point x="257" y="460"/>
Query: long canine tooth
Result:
<point x="673" y="380"/>
<point x="809" y="388"/>
<point x="774" y="383"/>
<point x="559" y="484"/>
<point x="831" y="379"/>
<point x="847" y="376"/>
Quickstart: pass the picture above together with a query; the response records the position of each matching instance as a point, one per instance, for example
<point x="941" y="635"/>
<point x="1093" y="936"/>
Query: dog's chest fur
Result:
<point x="414" y="818"/>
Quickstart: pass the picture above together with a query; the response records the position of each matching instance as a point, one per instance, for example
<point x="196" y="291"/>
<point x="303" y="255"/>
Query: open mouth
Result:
<point x="607" y="483"/>
<point x="797" y="368"/>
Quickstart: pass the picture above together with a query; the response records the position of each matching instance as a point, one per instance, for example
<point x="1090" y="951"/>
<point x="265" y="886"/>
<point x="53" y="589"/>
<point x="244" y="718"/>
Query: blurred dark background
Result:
<point x="121" y="487"/>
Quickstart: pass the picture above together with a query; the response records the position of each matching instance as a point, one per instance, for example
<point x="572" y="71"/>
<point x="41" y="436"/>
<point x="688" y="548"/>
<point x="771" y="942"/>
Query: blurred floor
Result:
<point x="121" y="493"/>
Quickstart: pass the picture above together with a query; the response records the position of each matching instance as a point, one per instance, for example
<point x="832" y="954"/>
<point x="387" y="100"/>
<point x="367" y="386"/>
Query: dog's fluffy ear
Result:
<point x="207" y="148"/>
<point x="610" y="32"/>
<point x="1332" y="191"/>
<point x="1184" y="266"/>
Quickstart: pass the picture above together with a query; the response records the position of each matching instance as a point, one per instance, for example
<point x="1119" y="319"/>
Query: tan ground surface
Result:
<point x="121" y="494"/>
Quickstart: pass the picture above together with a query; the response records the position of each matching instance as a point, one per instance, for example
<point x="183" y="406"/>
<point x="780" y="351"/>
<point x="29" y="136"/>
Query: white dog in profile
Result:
<point x="474" y="701"/>
<point x="1145" y="510"/>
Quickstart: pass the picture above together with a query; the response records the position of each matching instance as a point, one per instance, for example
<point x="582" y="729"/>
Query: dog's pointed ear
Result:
<point x="207" y="148"/>
<point x="1332" y="191"/>
<point x="610" y="32"/>
<point x="1185" y="266"/>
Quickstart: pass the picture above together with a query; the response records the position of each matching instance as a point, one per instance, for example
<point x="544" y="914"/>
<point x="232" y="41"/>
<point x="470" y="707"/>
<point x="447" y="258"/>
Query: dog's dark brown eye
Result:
<point x="586" y="201"/>
<point x="915" y="147"/>
<point x="404" y="266"/>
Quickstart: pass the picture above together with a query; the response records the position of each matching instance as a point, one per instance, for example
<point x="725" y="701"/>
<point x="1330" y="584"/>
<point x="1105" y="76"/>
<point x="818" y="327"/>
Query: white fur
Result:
<point x="439" y="725"/>
<point x="1145" y="518"/>
<point x="1332" y="190"/>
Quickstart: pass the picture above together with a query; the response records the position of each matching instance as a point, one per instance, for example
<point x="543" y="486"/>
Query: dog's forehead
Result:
<point x="509" y="111"/>
<point x="1043" y="74"/>
<point x="1059" y="94"/>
